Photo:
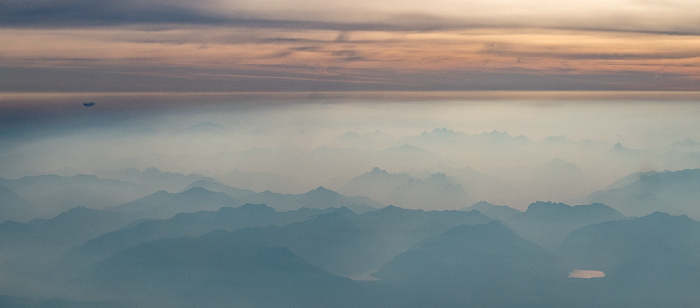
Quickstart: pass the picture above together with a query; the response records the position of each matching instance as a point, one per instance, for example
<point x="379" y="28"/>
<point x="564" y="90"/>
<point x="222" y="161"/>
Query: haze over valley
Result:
<point x="326" y="201"/>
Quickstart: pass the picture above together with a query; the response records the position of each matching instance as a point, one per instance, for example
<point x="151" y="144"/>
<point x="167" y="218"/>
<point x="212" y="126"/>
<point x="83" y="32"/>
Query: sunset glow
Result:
<point x="382" y="45"/>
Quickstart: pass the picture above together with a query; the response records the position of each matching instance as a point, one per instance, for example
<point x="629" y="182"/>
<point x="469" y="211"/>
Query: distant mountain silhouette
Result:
<point x="219" y="187"/>
<point x="53" y="194"/>
<point x="163" y="204"/>
<point x="548" y="223"/>
<point x="319" y="198"/>
<point x="686" y="144"/>
<point x="556" y="180"/>
<point x="377" y="184"/>
<point x="14" y="207"/>
<point x="496" y="212"/>
<point x="481" y="186"/>
<point x="675" y="193"/>
<point x="258" y="181"/>
<point x="354" y="140"/>
<point x="621" y="150"/>
<point x="443" y="137"/>
<point x="626" y="180"/>
<point x="408" y="152"/>
<point x="435" y="191"/>
<point x="154" y="179"/>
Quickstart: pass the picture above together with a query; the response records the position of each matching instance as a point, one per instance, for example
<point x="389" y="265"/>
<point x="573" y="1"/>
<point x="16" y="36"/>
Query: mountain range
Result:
<point x="436" y="190"/>
<point x="211" y="244"/>
<point x="644" y="193"/>
<point x="53" y="194"/>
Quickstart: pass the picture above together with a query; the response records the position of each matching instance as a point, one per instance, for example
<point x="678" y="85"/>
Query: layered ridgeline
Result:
<point x="209" y="245"/>
<point x="455" y="188"/>
<point x="149" y="194"/>
<point x="15" y="207"/>
<point x="472" y="265"/>
<point x="53" y="194"/>
<point x="187" y="224"/>
<point x="644" y="193"/>
<point x="40" y="240"/>
<point x="289" y="266"/>
<point x="214" y="270"/>
<point x="164" y="204"/>
<point x="335" y="239"/>
<point x="348" y="244"/>
<point x="256" y="256"/>
<point x="48" y="195"/>
<point x="405" y="191"/>
<point x="649" y="261"/>
<point x="547" y="223"/>
<point x="317" y="199"/>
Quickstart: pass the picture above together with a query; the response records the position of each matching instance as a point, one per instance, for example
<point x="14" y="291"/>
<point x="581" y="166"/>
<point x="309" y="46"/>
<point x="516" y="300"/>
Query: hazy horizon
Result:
<point x="326" y="139"/>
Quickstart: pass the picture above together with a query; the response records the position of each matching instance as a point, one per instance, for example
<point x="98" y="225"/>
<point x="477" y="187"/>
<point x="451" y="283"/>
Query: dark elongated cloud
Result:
<point x="98" y="13"/>
<point x="675" y="17"/>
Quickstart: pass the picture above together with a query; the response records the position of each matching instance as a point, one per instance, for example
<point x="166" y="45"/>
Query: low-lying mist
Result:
<point x="317" y="200"/>
<point x="534" y="148"/>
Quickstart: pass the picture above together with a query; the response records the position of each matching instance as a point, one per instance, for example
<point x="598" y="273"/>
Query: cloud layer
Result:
<point x="380" y="45"/>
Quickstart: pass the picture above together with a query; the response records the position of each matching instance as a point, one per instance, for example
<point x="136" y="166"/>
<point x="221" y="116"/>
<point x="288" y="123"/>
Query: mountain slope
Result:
<point x="548" y="223"/>
<point x="473" y="265"/>
<point x="319" y="198"/>
<point x="557" y="180"/>
<point x="187" y="224"/>
<point x="163" y="204"/>
<point x="15" y="207"/>
<point x="607" y="245"/>
<point x="648" y="261"/>
<point x="154" y="179"/>
<point x="213" y="270"/>
<point x="496" y="212"/>
<point x="434" y="191"/>
<point x="344" y="243"/>
<point x="53" y="194"/>
<point x="675" y="193"/>
<point x="27" y="247"/>
<point x="218" y="187"/>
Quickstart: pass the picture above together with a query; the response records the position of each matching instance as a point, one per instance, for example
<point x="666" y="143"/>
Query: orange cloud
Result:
<point x="356" y="55"/>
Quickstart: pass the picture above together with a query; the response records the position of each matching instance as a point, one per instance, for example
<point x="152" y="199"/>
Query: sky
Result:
<point x="378" y="45"/>
<point x="179" y="85"/>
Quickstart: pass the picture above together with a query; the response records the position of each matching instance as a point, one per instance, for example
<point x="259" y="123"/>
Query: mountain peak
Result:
<point x="151" y="171"/>
<point x="323" y="190"/>
<point x="618" y="147"/>
<point x="438" y="176"/>
<point x="196" y="190"/>
<point x="252" y="207"/>
<point x="482" y="204"/>
<point x="548" y="206"/>
<point x="659" y="216"/>
<point x="378" y="171"/>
